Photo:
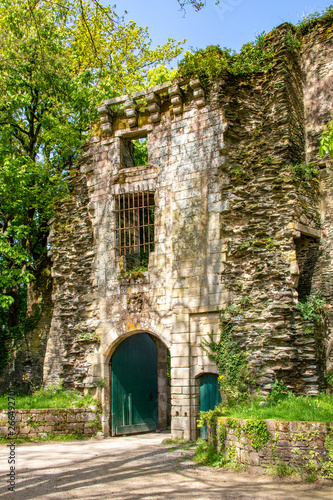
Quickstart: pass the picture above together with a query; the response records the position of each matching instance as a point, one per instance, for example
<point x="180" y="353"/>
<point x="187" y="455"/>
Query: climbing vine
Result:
<point x="254" y="430"/>
<point x="231" y="360"/>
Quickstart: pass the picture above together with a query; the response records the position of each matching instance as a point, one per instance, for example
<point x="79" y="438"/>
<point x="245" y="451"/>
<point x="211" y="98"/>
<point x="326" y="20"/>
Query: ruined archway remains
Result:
<point x="219" y="219"/>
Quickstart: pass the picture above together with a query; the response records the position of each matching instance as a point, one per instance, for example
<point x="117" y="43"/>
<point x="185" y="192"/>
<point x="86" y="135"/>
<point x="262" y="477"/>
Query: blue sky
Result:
<point x="230" y="24"/>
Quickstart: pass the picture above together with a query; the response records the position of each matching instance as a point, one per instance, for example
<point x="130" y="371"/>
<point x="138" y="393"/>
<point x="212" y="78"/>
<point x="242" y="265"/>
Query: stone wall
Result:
<point x="300" y="445"/>
<point x="43" y="422"/>
<point x="317" y="69"/>
<point x="231" y="221"/>
<point x="27" y="360"/>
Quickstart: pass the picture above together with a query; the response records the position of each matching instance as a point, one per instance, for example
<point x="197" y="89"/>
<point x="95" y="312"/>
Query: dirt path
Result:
<point x="137" y="467"/>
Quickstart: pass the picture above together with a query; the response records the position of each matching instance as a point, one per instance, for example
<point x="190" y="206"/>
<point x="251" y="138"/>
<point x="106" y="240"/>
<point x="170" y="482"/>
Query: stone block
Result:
<point x="180" y="373"/>
<point x="24" y="430"/>
<point x="180" y="362"/>
<point x="253" y="459"/>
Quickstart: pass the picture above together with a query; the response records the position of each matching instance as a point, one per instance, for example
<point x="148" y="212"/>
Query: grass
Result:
<point x="207" y="454"/>
<point x="289" y="407"/>
<point x="50" y="397"/>
<point x="45" y="439"/>
<point x="281" y="469"/>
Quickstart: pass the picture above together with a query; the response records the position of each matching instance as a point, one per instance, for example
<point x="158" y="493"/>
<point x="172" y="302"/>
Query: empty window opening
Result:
<point x="135" y="229"/>
<point x="307" y="251"/>
<point x="134" y="152"/>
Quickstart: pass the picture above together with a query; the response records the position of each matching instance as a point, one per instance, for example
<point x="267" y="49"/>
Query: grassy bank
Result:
<point x="292" y="408"/>
<point x="50" y="398"/>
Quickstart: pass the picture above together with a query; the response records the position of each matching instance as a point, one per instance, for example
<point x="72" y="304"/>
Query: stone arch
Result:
<point x="106" y="353"/>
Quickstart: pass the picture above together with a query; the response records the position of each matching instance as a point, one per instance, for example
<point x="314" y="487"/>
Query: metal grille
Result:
<point x="135" y="227"/>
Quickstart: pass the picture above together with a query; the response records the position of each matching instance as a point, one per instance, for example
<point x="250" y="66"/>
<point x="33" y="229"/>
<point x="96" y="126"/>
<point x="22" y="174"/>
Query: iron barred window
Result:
<point x="135" y="228"/>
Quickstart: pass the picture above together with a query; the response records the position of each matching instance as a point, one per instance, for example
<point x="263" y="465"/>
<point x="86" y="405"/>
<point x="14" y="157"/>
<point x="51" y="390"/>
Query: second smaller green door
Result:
<point x="209" y="396"/>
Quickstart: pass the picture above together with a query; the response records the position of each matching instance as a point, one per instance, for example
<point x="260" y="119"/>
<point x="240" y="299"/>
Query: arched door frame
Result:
<point x="163" y="388"/>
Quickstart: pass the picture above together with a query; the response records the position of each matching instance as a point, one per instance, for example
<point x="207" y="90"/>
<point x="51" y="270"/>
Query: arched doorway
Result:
<point x="209" y="396"/>
<point x="134" y="386"/>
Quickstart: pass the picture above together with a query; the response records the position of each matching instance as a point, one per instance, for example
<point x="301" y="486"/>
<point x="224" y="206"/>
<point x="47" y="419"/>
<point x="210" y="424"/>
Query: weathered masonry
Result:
<point x="217" y="217"/>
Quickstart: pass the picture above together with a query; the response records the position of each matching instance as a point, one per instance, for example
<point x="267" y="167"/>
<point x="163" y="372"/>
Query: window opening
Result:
<point x="307" y="251"/>
<point x="140" y="152"/>
<point x="135" y="214"/>
<point x="134" y="152"/>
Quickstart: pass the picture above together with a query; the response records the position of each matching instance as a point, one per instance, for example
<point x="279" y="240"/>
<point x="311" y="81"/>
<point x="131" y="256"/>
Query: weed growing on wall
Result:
<point x="311" y="20"/>
<point x="254" y="430"/>
<point x="327" y="467"/>
<point x="209" y="64"/>
<point x="304" y="171"/>
<point x="312" y="308"/>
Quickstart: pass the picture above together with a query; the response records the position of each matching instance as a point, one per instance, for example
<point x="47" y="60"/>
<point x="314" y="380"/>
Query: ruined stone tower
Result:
<point x="217" y="215"/>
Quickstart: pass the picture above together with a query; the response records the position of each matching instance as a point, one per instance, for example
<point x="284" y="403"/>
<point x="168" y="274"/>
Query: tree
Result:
<point x="197" y="5"/>
<point x="58" y="60"/>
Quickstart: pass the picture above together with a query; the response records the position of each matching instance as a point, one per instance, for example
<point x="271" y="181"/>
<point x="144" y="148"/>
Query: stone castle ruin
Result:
<point x="144" y="256"/>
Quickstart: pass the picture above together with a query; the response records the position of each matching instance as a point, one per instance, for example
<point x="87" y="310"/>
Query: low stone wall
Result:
<point x="35" y="422"/>
<point x="301" y="445"/>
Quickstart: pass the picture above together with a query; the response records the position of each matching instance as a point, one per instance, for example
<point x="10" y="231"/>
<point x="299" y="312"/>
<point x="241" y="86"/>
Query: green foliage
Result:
<point x="58" y="61"/>
<point x="306" y="172"/>
<point x="89" y="336"/>
<point x="312" y="308"/>
<point x="278" y="392"/>
<point x="51" y="397"/>
<point x="254" y="57"/>
<point x="326" y="141"/>
<point x="286" y="407"/>
<point x="140" y="152"/>
<point x="160" y="74"/>
<point x="207" y="64"/>
<point x="291" y="41"/>
<point x="329" y="379"/>
<point x="230" y="359"/>
<point x="209" y="417"/>
<point x="327" y="467"/>
<point x="255" y="243"/>
<point x="281" y="469"/>
<point x="255" y="430"/>
<point x="206" y="454"/>
<point x="310" y="20"/>
<point x="101" y="383"/>
<point x="210" y="63"/>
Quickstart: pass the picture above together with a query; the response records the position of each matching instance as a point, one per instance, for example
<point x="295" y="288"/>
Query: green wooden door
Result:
<point x="209" y="396"/>
<point x="134" y="386"/>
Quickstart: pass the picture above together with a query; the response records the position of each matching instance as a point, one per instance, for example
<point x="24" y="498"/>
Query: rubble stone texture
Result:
<point x="297" y="444"/>
<point x="233" y="225"/>
<point x="42" y="422"/>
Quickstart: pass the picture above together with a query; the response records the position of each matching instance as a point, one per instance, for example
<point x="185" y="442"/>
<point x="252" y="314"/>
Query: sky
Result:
<point x="230" y="24"/>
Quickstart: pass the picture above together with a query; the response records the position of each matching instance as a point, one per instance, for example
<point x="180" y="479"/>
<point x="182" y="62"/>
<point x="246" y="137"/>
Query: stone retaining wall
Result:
<point x="301" y="445"/>
<point x="41" y="422"/>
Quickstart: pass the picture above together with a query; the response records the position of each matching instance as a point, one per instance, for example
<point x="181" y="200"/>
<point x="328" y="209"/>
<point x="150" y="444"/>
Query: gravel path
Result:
<point x="136" y="467"/>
